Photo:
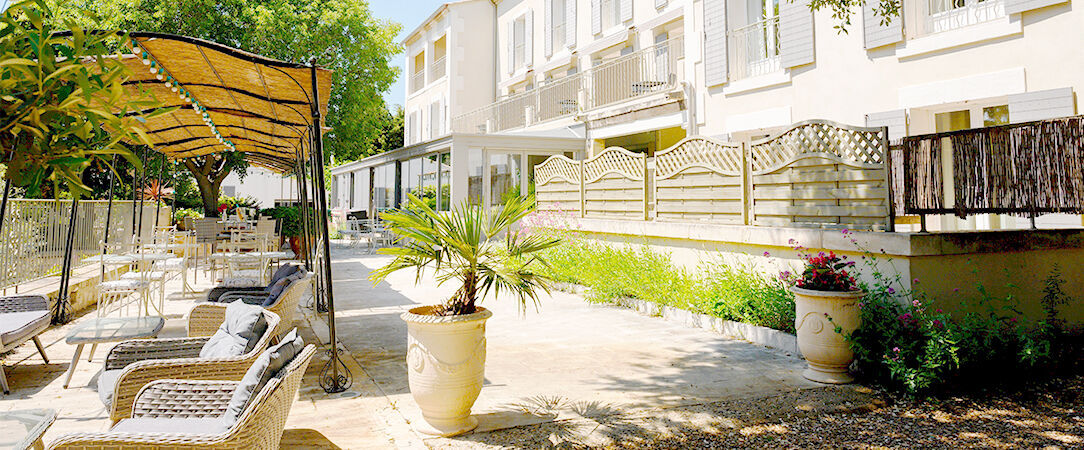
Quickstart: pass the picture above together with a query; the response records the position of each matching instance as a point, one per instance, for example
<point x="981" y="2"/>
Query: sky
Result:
<point x="409" y="13"/>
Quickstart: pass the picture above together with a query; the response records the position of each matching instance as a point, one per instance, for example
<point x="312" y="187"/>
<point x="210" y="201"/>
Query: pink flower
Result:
<point x="916" y="303"/>
<point x="937" y="323"/>
<point x="891" y="291"/>
<point x="915" y="281"/>
<point x="896" y="349"/>
<point x="767" y="254"/>
<point x="955" y="289"/>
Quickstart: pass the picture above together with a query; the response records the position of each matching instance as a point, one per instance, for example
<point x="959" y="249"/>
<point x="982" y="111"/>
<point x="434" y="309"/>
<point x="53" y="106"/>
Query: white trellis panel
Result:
<point x="700" y="179"/>
<point x="820" y="173"/>
<point x="557" y="185"/>
<point x="615" y="185"/>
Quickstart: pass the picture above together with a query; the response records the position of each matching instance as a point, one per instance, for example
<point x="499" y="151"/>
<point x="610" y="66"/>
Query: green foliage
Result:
<point x="343" y="35"/>
<point x="887" y="10"/>
<point x="906" y="344"/>
<point x="61" y="111"/>
<point x="181" y="213"/>
<point x="289" y="218"/>
<point x="472" y="246"/>
<point x="730" y="291"/>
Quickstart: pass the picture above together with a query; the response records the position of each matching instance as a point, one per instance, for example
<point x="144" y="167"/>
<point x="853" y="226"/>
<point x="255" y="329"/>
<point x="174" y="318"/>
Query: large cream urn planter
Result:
<point x="446" y="357"/>
<point x="827" y="353"/>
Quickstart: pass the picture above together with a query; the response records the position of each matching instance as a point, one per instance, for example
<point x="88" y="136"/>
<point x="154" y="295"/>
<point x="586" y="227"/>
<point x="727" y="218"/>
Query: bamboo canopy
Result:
<point x="256" y="105"/>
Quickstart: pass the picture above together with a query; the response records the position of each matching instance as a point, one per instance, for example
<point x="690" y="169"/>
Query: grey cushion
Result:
<point x="239" y="332"/>
<point x="267" y="365"/>
<point x="16" y="327"/>
<point x="274" y="296"/>
<point x="186" y="425"/>
<point x="107" y="385"/>
<point x="279" y="286"/>
<point x="284" y="271"/>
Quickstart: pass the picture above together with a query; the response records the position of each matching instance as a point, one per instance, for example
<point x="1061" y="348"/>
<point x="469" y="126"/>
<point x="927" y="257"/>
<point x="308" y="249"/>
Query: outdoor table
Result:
<point x="109" y="329"/>
<point x="22" y="429"/>
<point x="109" y="259"/>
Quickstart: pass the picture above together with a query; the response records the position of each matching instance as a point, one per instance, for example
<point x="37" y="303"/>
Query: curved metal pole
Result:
<point x="108" y="216"/>
<point x="158" y="200"/>
<point x="62" y="311"/>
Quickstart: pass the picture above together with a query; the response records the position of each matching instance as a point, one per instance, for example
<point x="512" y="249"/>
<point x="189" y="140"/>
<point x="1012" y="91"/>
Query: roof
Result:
<point x="258" y="105"/>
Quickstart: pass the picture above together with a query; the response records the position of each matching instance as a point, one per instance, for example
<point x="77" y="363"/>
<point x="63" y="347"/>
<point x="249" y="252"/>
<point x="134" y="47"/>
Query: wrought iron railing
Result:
<point x="32" y="239"/>
<point x="439" y="69"/>
<point x="648" y="71"/>
<point x="936" y="16"/>
<point x="754" y="49"/>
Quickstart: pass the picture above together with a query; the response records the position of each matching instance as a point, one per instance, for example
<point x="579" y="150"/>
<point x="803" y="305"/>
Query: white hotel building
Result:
<point x="496" y="86"/>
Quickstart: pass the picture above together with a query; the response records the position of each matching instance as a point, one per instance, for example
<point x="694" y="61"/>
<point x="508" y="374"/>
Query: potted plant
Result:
<point x="289" y="218"/>
<point x="826" y="310"/>
<point x="446" y="345"/>
<point x="183" y="218"/>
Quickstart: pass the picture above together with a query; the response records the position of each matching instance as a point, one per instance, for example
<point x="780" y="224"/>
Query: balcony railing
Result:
<point x="438" y="70"/>
<point x="754" y="49"/>
<point x="417" y="81"/>
<point x="936" y="16"/>
<point x="651" y="70"/>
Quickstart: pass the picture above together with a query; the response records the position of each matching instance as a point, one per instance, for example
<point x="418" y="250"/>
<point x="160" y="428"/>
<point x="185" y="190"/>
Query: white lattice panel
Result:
<point x="557" y="167"/>
<point x="856" y="146"/>
<point x="614" y="160"/>
<point x="722" y="157"/>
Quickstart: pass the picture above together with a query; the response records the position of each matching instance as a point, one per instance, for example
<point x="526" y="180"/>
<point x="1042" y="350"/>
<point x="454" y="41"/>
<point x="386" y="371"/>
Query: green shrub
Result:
<point x="181" y="213"/>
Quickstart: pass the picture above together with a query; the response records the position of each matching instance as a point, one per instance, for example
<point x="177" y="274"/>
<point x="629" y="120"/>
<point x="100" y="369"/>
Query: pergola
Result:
<point x="231" y="100"/>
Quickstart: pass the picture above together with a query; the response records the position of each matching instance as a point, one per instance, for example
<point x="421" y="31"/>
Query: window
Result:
<point x="519" y="44"/>
<point x="557" y="18"/>
<point x="436" y="119"/>
<point x="944" y="15"/>
<point x="351" y="195"/>
<point x="952" y="120"/>
<point x="754" y="47"/>
<point x="383" y="186"/>
<point x="995" y="115"/>
<point x="474" y="176"/>
<point x="435" y="181"/>
<point x="410" y="179"/>
<point x="611" y="13"/>
<point x="504" y="178"/>
<point x="440" y="50"/>
<point x="417" y="80"/>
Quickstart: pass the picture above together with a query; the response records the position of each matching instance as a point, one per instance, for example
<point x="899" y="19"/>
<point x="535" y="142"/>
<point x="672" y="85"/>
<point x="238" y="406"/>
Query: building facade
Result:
<point x="643" y="74"/>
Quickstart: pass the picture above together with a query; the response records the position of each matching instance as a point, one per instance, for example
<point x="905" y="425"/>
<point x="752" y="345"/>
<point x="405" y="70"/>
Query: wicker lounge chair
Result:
<point x="135" y="363"/>
<point x="204" y="315"/>
<point x="22" y="318"/>
<point x="283" y="271"/>
<point x="184" y="414"/>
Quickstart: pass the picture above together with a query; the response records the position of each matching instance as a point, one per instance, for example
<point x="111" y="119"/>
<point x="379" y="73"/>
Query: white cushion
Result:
<point x="239" y="333"/>
<point x="122" y="285"/>
<point x="239" y="282"/>
<point x="182" y="425"/>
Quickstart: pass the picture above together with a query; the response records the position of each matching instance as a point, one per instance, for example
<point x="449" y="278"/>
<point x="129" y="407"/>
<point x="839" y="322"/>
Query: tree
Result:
<point x="209" y="171"/>
<point x="342" y="35"/>
<point x="64" y="102"/>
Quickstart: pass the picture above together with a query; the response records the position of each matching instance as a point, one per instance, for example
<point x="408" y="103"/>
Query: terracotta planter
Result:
<point x="825" y="350"/>
<point x="295" y="245"/>
<point x="446" y="359"/>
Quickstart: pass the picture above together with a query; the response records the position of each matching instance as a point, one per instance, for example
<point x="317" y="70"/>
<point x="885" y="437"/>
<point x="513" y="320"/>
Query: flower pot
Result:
<point x="295" y="245"/>
<point x="446" y="358"/>
<point x="827" y="353"/>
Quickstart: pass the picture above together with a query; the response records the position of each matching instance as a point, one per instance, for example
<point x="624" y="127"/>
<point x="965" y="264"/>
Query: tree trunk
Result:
<point x="209" y="177"/>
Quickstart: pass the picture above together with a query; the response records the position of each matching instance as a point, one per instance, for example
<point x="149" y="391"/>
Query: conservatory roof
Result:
<point x="229" y="99"/>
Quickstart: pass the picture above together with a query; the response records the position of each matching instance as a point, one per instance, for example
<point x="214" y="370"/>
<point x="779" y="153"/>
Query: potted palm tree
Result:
<point x="826" y="310"/>
<point x="446" y="345"/>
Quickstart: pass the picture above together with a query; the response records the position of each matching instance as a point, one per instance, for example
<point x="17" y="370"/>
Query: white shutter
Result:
<point x="528" y="39"/>
<point x="626" y="10"/>
<point x="1019" y="6"/>
<point x="896" y="121"/>
<point x="596" y="16"/>
<point x="570" y="23"/>
<point x="877" y="35"/>
<point x="715" y="57"/>
<point x="511" y="47"/>
<point x="660" y="3"/>
<point x="795" y="33"/>
<point x="1039" y="105"/>
<point x="547" y="27"/>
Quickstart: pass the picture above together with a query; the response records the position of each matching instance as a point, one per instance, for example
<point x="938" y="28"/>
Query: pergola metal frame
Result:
<point x="299" y="153"/>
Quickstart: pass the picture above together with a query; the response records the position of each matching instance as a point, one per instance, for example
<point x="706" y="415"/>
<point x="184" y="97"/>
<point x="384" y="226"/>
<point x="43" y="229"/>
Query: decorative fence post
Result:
<point x="889" y="197"/>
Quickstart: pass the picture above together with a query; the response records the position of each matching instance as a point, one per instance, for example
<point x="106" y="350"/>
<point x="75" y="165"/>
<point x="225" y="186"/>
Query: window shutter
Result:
<point x="528" y="39"/>
<point x="896" y="121"/>
<point x="877" y="35"/>
<point x="660" y="3"/>
<point x="547" y="27"/>
<point x="715" y="57"/>
<point x="570" y="23"/>
<point x="795" y="33"/>
<point x="1039" y="105"/>
<point x="596" y="16"/>
<point x="511" y="47"/>
<point x="1019" y="6"/>
<point x="626" y="10"/>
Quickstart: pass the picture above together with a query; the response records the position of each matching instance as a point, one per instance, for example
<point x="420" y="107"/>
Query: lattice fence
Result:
<point x="615" y="184"/>
<point x="820" y="173"/>
<point x="557" y="185"/>
<point x="701" y="179"/>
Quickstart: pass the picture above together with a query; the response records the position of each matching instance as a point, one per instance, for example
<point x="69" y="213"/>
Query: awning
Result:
<point x="256" y="105"/>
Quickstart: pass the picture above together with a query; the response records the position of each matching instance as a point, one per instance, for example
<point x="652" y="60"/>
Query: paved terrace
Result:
<point x="570" y="372"/>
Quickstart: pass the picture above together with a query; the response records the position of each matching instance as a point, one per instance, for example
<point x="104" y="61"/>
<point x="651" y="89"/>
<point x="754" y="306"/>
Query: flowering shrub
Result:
<point x="823" y="272"/>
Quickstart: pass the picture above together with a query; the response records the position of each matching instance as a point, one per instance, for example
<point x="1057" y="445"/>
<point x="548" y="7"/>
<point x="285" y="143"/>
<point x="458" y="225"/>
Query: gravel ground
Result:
<point x="1046" y="415"/>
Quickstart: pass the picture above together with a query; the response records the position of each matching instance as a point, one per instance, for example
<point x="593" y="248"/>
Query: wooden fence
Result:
<point x="816" y="173"/>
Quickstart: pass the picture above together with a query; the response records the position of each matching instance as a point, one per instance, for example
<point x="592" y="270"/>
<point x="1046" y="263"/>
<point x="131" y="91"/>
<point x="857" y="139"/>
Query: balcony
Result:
<point x="417" y="81"/>
<point x="439" y="69"/>
<point x="655" y="69"/>
<point x="754" y="49"/>
<point x="937" y="16"/>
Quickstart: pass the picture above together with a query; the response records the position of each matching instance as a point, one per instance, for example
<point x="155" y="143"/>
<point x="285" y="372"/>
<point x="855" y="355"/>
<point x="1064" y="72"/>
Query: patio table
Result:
<point x="110" y="329"/>
<point x="24" y="428"/>
<point x="109" y="259"/>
